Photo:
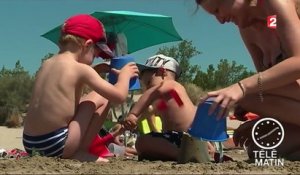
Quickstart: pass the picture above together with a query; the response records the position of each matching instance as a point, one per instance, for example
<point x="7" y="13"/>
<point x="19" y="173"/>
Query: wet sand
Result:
<point x="43" y="165"/>
<point x="11" y="138"/>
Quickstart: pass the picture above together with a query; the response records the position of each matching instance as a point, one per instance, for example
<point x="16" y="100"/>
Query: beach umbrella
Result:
<point x="141" y="30"/>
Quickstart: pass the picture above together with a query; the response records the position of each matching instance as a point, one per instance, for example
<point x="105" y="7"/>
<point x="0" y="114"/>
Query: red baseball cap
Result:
<point x="88" y="27"/>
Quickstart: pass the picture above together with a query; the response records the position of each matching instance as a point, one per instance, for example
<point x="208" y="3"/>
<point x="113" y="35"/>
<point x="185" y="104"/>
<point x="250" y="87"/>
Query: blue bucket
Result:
<point x="118" y="63"/>
<point x="208" y="127"/>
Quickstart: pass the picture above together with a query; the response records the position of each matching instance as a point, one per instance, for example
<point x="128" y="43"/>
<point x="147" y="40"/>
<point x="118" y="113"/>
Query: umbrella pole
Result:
<point x="123" y="112"/>
<point x="122" y="119"/>
<point x="219" y="148"/>
<point x="114" y="112"/>
<point x="130" y="101"/>
<point x="127" y="134"/>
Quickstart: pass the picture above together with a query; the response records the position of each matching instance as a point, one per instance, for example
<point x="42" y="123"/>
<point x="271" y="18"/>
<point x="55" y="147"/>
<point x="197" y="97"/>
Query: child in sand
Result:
<point x="159" y="76"/>
<point x="59" y="122"/>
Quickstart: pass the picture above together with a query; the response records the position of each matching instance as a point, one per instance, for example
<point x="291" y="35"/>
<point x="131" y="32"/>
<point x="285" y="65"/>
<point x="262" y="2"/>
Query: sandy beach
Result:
<point x="11" y="138"/>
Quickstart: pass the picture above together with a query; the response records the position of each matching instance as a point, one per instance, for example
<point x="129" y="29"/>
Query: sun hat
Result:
<point x="161" y="61"/>
<point x="88" y="27"/>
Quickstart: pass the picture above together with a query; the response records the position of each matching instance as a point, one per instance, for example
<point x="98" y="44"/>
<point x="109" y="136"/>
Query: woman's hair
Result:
<point x="199" y="1"/>
<point x="70" y="40"/>
<point x="252" y="2"/>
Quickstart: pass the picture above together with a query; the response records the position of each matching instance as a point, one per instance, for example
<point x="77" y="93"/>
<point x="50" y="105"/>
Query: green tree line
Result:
<point x="224" y="74"/>
<point x="16" y="84"/>
<point x="15" y="89"/>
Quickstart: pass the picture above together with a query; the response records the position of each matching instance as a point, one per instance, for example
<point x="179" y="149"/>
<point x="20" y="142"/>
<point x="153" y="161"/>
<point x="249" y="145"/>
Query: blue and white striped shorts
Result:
<point x="50" y="145"/>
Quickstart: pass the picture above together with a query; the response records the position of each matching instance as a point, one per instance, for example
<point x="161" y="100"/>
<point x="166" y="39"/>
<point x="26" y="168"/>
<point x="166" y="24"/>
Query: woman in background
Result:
<point x="274" y="91"/>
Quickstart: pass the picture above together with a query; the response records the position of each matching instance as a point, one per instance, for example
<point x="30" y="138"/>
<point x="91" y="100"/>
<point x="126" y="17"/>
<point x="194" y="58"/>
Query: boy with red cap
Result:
<point x="59" y="121"/>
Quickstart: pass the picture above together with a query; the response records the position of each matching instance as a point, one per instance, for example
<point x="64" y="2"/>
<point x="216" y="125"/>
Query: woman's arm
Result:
<point x="283" y="73"/>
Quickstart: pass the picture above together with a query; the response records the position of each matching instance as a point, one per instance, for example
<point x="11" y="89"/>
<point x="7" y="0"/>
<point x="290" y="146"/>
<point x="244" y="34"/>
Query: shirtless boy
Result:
<point x="170" y="101"/>
<point x="60" y="122"/>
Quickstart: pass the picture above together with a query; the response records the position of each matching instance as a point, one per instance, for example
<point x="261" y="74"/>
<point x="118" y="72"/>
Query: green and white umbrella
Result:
<point x="141" y="30"/>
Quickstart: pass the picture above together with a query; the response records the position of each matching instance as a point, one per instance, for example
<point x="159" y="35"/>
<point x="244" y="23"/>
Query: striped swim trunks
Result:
<point x="50" y="145"/>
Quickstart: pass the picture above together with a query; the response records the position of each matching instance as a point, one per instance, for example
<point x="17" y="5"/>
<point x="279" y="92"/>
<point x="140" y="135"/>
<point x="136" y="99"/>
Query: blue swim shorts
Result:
<point x="50" y="145"/>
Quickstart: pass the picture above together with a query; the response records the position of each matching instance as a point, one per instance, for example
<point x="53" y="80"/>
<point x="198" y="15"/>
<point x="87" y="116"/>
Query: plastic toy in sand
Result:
<point x="208" y="128"/>
<point x="98" y="147"/>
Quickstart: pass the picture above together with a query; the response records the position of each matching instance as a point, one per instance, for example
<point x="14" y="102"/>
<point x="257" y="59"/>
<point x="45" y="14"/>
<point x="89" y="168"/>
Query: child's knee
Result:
<point x="141" y="143"/>
<point x="102" y="108"/>
<point x="97" y="99"/>
<point x="102" y="102"/>
<point x="105" y="102"/>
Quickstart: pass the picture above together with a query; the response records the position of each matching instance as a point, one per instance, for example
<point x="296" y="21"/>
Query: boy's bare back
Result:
<point x="56" y="94"/>
<point x="174" y="117"/>
<point x="58" y="89"/>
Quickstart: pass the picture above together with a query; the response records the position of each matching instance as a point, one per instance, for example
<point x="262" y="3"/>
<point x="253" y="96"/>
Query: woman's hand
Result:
<point x="224" y="99"/>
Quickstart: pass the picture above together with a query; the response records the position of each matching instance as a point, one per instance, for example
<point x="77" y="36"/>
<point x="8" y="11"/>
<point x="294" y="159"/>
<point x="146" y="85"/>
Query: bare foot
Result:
<point x="87" y="157"/>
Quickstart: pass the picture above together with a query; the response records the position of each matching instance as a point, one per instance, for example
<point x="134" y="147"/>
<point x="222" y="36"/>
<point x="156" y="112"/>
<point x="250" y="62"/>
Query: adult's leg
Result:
<point x="275" y="106"/>
<point x="282" y="104"/>
<point x="88" y="120"/>
<point x="289" y="148"/>
<point x="291" y="141"/>
<point x="156" y="148"/>
<point x="285" y="95"/>
<point x="291" y="91"/>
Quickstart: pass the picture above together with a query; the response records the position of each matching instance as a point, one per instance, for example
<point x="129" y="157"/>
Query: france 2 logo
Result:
<point x="271" y="21"/>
